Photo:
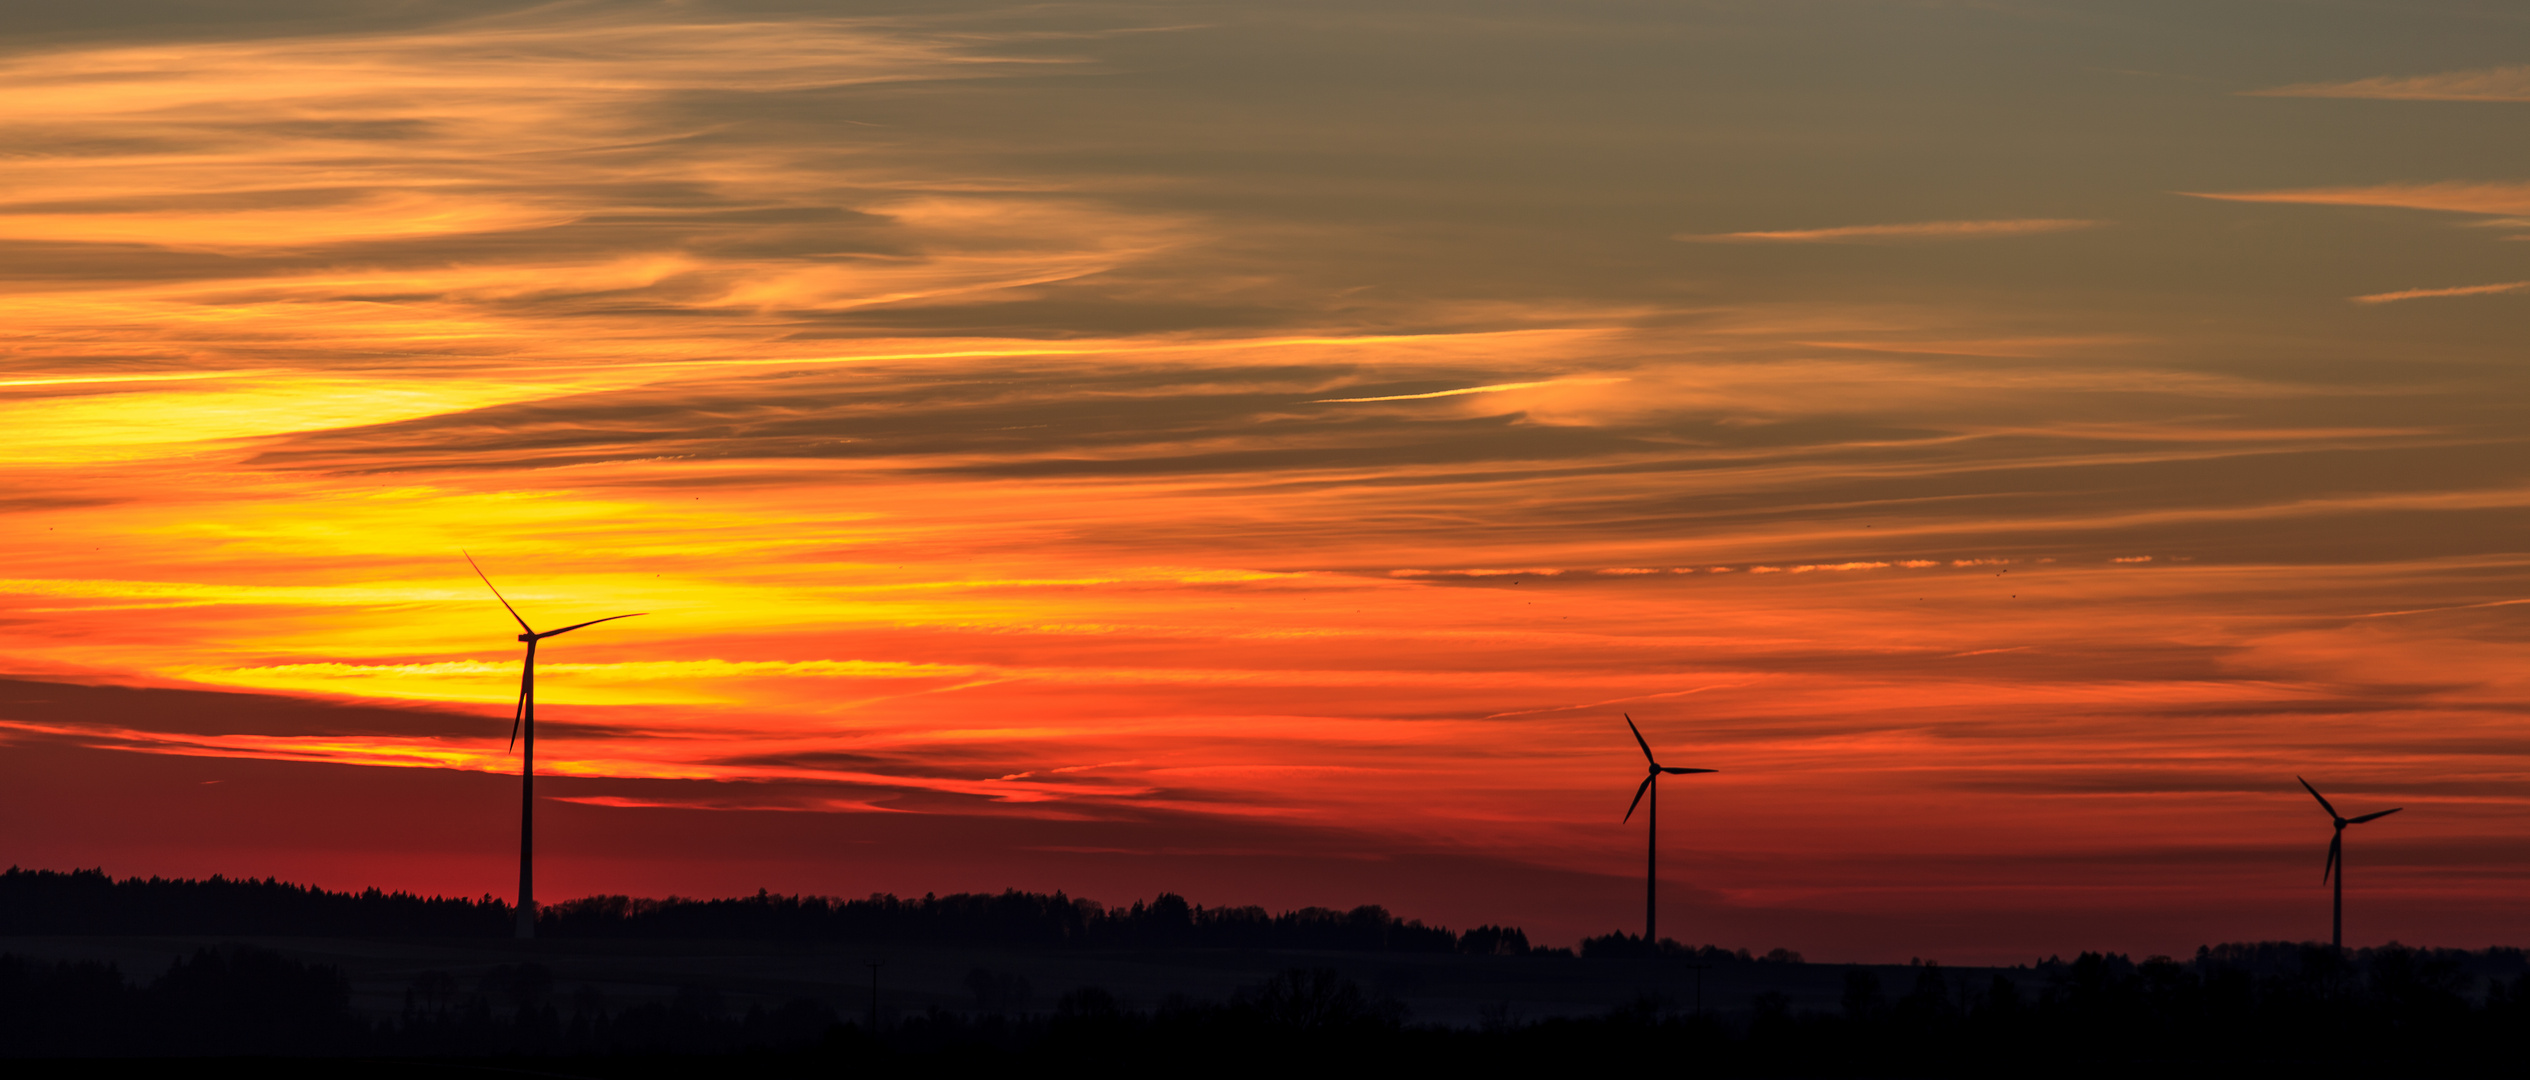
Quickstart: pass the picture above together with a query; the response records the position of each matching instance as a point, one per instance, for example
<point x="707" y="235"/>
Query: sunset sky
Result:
<point x="1259" y="451"/>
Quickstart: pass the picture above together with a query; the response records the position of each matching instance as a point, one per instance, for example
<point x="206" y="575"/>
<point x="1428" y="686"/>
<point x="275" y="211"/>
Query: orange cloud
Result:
<point x="2481" y="84"/>
<point x="1495" y="388"/>
<point x="2452" y="197"/>
<point x="2420" y="294"/>
<point x="1920" y="230"/>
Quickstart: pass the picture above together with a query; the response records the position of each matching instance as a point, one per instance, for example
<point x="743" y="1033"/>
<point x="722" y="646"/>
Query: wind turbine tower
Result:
<point x="1651" y="858"/>
<point x="2337" y="862"/>
<point x="523" y="738"/>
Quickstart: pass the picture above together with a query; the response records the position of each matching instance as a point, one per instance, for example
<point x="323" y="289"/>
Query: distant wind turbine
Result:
<point x="2337" y="862"/>
<point x="523" y="721"/>
<point x="1651" y="861"/>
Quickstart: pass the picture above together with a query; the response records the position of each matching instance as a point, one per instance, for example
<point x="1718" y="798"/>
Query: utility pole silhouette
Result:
<point x="1651" y="858"/>
<point x="2336" y="861"/>
<point x="523" y="721"/>
<point x="874" y="965"/>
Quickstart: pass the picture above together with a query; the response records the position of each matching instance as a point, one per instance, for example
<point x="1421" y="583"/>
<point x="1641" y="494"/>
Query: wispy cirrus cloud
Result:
<point x="480" y="127"/>
<point x="2480" y="84"/>
<point x="2458" y="197"/>
<point x="455" y="191"/>
<point x="2423" y="294"/>
<point x="1916" y="230"/>
<point x="1494" y="388"/>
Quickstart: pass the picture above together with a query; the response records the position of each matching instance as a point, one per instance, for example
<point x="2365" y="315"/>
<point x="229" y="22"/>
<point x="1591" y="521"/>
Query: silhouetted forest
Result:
<point x="2310" y="1008"/>
<point x="90" y="902"/>
<point x="1624" y="946"/>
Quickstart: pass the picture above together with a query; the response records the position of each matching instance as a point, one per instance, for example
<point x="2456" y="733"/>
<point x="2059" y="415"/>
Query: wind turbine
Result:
<point x="523" y="720"/>
<point x="2337" y="861"/>
<point x="1651" y="860"/>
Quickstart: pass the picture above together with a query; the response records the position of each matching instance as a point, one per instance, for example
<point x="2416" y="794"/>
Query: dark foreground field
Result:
<point x="778" y="986"/>
<point x="385" y="976"/>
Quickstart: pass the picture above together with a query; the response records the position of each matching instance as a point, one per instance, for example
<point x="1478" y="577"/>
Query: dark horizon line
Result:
<point x="614" y="916"/>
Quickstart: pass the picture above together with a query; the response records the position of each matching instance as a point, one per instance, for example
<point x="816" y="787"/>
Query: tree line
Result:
<point x="91" y="902"/>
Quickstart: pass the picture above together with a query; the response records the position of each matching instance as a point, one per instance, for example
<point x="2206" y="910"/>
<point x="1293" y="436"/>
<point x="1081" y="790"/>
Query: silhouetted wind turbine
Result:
<point x="523" y="721"/>
<point x="1651" y="861"/>
<point x="2337" y="861"/>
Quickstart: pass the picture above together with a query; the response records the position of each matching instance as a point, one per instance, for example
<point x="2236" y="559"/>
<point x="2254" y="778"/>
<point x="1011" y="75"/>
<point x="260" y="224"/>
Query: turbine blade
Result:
<point x="1638" y="739"/>
<point x="591" y="622"/>
<point x="2368" y="817"/>
<point x="1667" y="769"/>
<point x="518" y="715"/>
<point x="496" y="593"/>
<point x="2323" y="800"/>
<point x="1638" y="797"/>
<point x="2336" y="849"/>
